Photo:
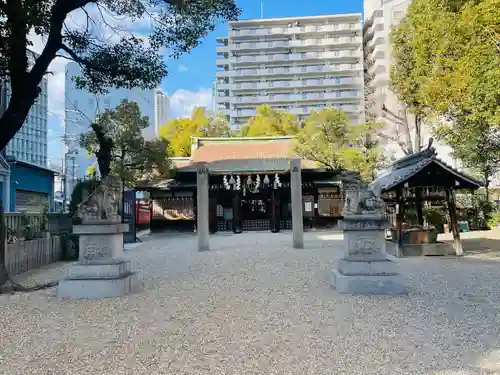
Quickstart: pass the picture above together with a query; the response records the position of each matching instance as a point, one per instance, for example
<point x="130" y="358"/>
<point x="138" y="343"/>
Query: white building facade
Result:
<point x="295" y="64"/>
<point x="30" y="142"/>
<point x="82" y="107"/>
<point x="380" y="17"/>
<point x="161" y="110"/>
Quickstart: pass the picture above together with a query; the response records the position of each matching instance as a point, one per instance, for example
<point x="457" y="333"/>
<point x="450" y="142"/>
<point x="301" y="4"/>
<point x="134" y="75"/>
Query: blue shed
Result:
<point x="30" y="186"/>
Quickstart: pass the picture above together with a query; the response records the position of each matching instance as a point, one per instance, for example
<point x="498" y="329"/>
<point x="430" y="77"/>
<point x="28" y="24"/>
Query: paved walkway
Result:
<point x="253" y="305"/>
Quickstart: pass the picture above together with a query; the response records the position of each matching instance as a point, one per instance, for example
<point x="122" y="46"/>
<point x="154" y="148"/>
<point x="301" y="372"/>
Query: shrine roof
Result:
<point x="228" y="166"/>
<point x="255" y="154"/>
<point x="418" y="165"/>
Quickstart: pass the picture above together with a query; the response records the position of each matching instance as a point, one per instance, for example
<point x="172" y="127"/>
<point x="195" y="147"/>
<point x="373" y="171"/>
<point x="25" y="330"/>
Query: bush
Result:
<point x="436" y="217"/>
<point x="494" y="219"/>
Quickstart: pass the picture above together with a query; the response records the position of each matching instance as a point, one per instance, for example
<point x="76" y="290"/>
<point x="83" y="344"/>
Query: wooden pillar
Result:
<point x="275" y="211"/>
<point x="399" y="221"/>
<point x="419" y="206"/>
<point x="236" y="212"/>
<point x="452" y="209"/>
<point x="212" y="214"/>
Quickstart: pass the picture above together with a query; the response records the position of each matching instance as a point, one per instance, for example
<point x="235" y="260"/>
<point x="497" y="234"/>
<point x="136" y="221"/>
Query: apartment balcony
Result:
<point x="377" y="16"/>
<point x="290" y="84"/>
<point x="378" y="67"/>
<point x="304" y="111"/>
<point x="378" y="52"/>
<point x="376" y="28"/>
<point x="297" y="43"/>
<point x="273" y="98"/>
<point x="305" y="56"/>
<point x="378" y="40"/>
<point x="221" y="62"/>
<point x="297" y="30"/>
<point x="300" y="70"/>
<point x="224" y="73"/>
<point x="223" y="49"/>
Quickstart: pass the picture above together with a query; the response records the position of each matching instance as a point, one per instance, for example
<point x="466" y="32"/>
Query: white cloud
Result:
<point x="182" y="68"/>
<point x="56" y="78"/>
<point x="182" y="102"/>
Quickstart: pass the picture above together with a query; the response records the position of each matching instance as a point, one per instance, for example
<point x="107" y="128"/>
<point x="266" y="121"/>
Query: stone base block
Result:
<point x="109" y="270"/>
<point x="373" y="268"/>
<point x="368" y="284"/>
<point x="98" y="288"/>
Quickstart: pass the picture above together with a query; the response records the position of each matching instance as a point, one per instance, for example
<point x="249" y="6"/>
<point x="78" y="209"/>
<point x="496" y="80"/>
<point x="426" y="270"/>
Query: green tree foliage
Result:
<point x="132" y="156"/>
<point x="108" y="53"/>
<point x="475" y="145"/>
<point x="200" y="124"/>
<point x="448" y="58"/>
<point x="331" y="140"/>
<point x="270" y="122"/>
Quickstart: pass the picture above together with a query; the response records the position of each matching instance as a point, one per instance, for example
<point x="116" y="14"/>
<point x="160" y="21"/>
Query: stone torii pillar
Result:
<point x="202" y="204"/>
<point x="297" y="214"/>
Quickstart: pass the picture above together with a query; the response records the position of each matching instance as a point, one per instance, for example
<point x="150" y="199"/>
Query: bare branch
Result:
<point x="389" y="112"/>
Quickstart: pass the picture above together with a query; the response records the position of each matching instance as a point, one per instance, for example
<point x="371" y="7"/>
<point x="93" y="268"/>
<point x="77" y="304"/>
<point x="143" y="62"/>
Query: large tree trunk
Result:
<point x="418" y="132"/>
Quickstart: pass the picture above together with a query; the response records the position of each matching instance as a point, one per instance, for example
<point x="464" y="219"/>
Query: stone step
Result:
<point x="111" y="270"/>
<point x="98" y="288"/>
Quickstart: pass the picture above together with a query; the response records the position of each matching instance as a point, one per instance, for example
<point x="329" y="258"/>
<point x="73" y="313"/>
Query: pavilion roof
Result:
<point x="424" y="166"/>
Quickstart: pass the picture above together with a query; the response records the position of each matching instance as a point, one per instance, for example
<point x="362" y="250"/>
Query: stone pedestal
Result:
<point x="297" y="209"/>
<point x="100" y="271"/>
<point x="202" y="205"/>
<point x="365" y="269"/>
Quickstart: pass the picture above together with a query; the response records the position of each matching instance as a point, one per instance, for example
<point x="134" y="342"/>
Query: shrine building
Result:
<point x="249" y="188"/>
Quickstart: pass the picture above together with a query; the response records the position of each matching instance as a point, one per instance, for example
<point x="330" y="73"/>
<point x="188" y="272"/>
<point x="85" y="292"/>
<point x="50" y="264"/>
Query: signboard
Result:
<point x="308" y="205"/>
<point x="128" y="216"/>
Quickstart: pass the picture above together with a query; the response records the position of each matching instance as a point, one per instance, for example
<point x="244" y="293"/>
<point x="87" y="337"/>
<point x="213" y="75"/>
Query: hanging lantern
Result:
<point x="266" y="180"/>
<point x="277" y="180"/>
<point x="231" y="180"/>
<point x="226" y="184"/>
<point x="249" y="181"/>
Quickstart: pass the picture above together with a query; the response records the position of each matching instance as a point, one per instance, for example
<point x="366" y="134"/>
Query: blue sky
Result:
<point x="190" y="77"/>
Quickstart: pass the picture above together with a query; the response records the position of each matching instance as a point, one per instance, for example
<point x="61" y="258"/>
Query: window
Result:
<point x="398" y="14"/>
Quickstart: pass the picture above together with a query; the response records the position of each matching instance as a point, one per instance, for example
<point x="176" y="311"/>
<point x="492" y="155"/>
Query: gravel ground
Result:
<point x="256" y="306"/>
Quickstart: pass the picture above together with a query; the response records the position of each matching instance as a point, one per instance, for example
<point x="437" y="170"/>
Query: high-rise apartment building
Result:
<point x="296" y="64"/>
<point x="82" y="107"/>
<point x="161" y="110"/>
<point x="30" y="142"/>
<point x="380" y="17"/>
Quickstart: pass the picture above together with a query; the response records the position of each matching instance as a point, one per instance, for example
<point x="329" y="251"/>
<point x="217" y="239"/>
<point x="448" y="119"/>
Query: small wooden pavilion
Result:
<point x="422" y="177"/>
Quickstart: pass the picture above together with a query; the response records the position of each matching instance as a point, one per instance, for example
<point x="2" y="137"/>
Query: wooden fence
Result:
<point x="57" y="223"/>
<point x="26" y="255"/>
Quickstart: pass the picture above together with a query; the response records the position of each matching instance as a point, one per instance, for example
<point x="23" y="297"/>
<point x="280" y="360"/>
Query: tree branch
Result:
<point x="59" y="12"/>
<point x="389" y="112"/>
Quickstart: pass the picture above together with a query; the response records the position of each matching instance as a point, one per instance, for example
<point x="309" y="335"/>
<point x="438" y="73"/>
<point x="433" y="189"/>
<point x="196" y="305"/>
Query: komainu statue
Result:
<point x="361" y="198"/>
<point x="102" y="204"/>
